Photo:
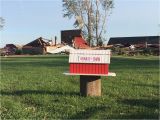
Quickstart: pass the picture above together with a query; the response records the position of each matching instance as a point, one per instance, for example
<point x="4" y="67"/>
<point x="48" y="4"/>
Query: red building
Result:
<point x="73" y="38"/>
<point x="67" y="36"/>
<point x="80" y="43"/>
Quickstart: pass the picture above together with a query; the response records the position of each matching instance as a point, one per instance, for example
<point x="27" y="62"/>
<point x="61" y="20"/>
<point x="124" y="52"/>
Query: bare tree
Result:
<point x="90" y="17"/>
<point x="1" y="22"/>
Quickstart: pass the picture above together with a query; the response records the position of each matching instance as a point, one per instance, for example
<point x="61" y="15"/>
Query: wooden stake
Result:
<point x="90" y="85"/>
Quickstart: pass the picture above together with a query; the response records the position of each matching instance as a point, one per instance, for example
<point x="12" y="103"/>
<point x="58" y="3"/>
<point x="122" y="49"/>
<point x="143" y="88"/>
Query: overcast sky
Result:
<point x="26" y="20"/>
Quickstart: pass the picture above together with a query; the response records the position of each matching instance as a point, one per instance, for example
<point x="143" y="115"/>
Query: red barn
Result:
<point x="80" y="43"/>
<point x="73" y="38"/>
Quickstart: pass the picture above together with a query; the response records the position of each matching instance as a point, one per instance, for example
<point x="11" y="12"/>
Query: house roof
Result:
<point x="38" y="42"/>
<point x="134" y="40"/>
<point x="11" y="45"/>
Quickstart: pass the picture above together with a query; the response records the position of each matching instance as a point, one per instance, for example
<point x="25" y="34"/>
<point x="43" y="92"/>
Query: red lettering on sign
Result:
<point x="96" y="59"/>
<point x="89" y="59"/>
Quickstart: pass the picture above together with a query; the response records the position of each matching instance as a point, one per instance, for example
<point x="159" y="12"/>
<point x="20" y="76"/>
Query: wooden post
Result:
<point x="90" y="85"/>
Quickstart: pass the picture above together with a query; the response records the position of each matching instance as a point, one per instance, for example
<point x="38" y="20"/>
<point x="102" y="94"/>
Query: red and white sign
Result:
<point x="89" y="61"/>
<point x="90" y="56"/>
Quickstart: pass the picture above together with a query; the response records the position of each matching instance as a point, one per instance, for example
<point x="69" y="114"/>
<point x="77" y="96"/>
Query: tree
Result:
<point x="90" y="17"/>
<point x="1" y="22"/>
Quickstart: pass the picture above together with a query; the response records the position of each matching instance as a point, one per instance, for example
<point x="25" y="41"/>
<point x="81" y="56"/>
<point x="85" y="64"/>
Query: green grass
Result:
<point x="35" y="88"/>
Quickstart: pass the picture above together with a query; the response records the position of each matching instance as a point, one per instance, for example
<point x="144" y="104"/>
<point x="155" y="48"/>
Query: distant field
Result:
<point x="34" y="87"/>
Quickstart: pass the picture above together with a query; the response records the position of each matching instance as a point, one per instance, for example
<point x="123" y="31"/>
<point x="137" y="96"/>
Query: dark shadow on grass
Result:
<point x="88" y="112"/>
<point x="43" y="92"/>
<point x="149" y="103"/>
<point x="136" y="115"/>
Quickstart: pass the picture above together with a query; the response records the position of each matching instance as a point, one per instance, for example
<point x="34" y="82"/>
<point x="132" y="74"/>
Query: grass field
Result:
<point x="35" y="88"/>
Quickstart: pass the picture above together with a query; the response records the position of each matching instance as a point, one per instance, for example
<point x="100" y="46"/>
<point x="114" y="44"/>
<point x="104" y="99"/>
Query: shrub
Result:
<point x="18" y="52"/>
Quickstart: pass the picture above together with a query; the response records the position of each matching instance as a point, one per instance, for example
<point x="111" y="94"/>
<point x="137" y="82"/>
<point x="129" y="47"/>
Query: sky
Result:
<point x="26" y="20"/>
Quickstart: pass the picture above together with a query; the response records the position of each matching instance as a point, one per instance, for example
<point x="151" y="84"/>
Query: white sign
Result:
<point x="89" y="56"/>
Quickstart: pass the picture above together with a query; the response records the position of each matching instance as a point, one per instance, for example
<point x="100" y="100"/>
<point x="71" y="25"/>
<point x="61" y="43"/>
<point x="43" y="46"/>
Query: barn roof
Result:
<point x="134" y="40"/>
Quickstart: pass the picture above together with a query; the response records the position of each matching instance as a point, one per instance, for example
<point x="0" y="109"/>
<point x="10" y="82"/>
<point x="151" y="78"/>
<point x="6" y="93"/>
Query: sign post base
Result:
<point x="90" y="85"/>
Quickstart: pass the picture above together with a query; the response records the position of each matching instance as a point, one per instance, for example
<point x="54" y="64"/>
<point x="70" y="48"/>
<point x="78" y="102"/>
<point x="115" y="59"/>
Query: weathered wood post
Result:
<point x="90" y="85"/>
<point x="90" y="65"/>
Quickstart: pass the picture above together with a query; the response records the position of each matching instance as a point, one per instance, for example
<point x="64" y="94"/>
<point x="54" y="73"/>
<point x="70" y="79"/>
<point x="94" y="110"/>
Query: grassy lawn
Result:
<point x="35" y="88"/>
